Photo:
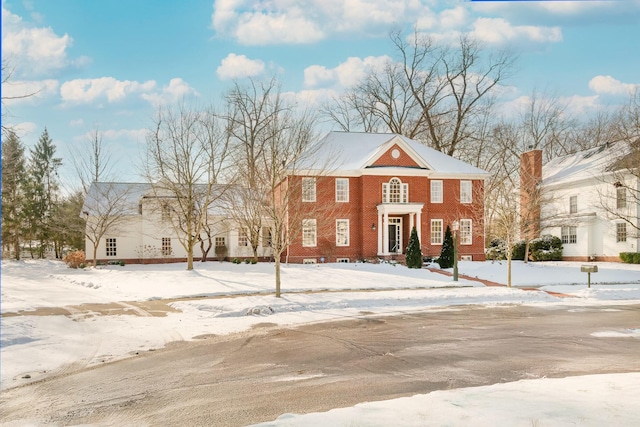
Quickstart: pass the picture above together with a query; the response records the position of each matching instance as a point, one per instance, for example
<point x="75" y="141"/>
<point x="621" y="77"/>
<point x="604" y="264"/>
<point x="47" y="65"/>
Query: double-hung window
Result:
<point x="342" y="189"/>
<point x="573" y="204"/>
<point x="465" y="232"/>
<point x="569" y="234"/>
<point x="342" y="232"/>
<point x="621" y="232"/>
<point x="436" y="231"/>
<point x="309" y="232"/>
<point x="308" y="189"/>
<point x="111" y="246"/>
<point x="465" y="192"/>
<point x="436" y="191"/>
<point x="266" y="237"/>
<point x="166" y="246"/>
<point x="242" y="237"/>
<point x="621" y="198"/>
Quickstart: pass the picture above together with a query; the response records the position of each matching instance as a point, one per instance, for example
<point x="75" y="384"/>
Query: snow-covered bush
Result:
<point x="517" y="252"/>
<point x="546" y="248"/>
<point x="497" y="250"/>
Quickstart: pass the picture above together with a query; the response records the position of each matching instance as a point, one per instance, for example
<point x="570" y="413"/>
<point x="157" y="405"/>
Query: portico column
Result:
<point x="418" y="226"/>
<point x="379" y="233"/>
<point x="385" y="234"/>
<point x="411" y="222"/>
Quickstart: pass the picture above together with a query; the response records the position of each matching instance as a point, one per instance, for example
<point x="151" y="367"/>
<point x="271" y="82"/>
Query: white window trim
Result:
<point x="310" y="195"/>
<point x="343" y="260"/>
<point x="626" y="234"/>
<point x="441" y="192"/>
<point x="440" y="233"/>
<point x="243" y="235"/>
<point x="306" y="224"/>
<point x="404" y="192"/>
<point x="469" y="194"/>
<point x="568" y="234"/>
<point x="348" y="232"/>
<point x="346" y="198"/>
<point x="113" y="248"/>
<point x="470" y="241"/>
<point x="574" y="197"/>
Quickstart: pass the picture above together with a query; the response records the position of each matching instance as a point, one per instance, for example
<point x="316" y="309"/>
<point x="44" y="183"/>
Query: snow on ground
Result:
<point x="592" y="400"/>
<point x="240" y="296"/>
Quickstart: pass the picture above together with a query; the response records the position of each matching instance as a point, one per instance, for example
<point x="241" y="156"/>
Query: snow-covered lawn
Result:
<point x="38" y="345"/>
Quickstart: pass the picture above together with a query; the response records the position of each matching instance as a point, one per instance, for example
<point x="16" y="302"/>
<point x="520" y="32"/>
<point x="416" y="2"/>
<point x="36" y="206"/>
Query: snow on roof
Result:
<point x="130" y="194"/>
<point x="351" y="151"/>
<point x="583" y="164"/>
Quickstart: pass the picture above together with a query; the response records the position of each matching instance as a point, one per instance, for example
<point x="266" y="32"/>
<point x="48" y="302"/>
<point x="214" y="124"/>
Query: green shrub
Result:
<point x="497" y="250"/>
<point x="446" y="255"/>
<point x="517" y="252"/>
<point x="546" y="248"/>
<point x="254" y="261"/>
<point x="630" y="257"/>
<point x="413" y="257"/>
<point x="236" y="261"/>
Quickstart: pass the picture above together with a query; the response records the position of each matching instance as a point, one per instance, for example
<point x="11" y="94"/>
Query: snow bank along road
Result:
<point x="257" y="375"/>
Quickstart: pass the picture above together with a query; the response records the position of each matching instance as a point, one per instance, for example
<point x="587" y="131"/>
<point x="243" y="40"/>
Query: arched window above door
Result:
<point x="395" y="191"/>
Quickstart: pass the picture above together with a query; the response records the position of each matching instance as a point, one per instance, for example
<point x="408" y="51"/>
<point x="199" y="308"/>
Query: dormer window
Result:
<point x="395" y="191"/>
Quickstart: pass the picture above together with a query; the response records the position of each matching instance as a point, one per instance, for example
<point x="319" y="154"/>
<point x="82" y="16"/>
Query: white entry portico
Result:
<point x="390" y="224"/>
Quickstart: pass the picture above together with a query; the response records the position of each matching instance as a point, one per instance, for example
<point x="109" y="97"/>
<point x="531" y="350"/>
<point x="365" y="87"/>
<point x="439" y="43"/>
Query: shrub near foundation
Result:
<point x="75" y="259"/>
<point x="630" y="257"/>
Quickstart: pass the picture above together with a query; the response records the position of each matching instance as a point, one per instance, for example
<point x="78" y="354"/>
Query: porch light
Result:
<point x="373" y="227"/>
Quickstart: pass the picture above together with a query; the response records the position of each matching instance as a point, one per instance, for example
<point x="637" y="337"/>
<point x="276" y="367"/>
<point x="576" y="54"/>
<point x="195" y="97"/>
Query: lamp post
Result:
<point x="456" y="225"/>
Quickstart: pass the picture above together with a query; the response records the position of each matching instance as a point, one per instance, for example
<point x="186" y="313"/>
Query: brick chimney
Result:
<point x="530" y="178"/>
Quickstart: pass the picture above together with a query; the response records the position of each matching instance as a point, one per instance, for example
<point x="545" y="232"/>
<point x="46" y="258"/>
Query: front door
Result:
<point x="395" y="235"/>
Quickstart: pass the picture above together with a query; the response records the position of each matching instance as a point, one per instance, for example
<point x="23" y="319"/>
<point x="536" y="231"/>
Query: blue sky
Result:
<point x="111" y="63"/>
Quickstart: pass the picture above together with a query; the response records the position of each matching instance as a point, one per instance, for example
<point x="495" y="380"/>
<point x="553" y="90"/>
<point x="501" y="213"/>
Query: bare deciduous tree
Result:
<point x="186" y="155"/>
<point x="107" y="206"/>
<point x="92" y="161"/>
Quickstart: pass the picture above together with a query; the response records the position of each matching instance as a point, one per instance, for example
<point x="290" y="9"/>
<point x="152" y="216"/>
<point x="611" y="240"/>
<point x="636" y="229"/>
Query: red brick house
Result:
<point x="380" y="186"/>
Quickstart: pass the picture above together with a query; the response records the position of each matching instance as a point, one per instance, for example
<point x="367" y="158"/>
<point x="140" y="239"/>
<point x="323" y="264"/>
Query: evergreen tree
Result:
<point x="67" y="226"/>
<point x="13" y="188"/>
<point x="42" y="191"/>
<point x="446" y="255"/>
<point x="414" y="253"/>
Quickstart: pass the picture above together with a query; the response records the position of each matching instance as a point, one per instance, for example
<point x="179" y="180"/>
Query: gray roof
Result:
<point x="583" y="165"/>
<point x="353" y="151"/>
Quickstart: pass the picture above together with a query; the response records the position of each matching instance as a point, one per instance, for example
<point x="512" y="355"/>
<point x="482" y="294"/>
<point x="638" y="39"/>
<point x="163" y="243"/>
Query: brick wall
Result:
<point x="365" y="193"/>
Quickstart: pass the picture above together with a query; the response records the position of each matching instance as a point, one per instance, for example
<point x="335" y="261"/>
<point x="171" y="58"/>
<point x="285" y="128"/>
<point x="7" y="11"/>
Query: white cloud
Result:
<point x="25" y="128"/>
<point x="89" y="90"/>
<point x="76" y="123"/>
<point x="34" y="90"/>
<point x="175" y="91"/>
<point x="115" y="135"/>
<point x="32" y="50"/>
<point x="239" y="66"/>
<point x="261" y="22"/>
<point x="345" y="74"/>
<point x="498" y="31"/>
<point x="610" y="86"/>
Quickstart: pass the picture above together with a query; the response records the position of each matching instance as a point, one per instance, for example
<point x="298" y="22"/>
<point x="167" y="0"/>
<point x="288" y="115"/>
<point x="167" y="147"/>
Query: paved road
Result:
<point x="256" y="376"/>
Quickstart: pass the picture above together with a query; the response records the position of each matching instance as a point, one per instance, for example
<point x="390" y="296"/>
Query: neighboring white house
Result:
<point x="143" y="233"/>
<point x="591" y="202"/>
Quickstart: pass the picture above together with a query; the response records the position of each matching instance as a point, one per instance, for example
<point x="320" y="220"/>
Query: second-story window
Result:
<point x="395" y="191"/>
<point x="436" y="191"/>
<point x="342" y="189"/>
<point x="308" y="189"/>
<point x="621" y="198"/>
<point x="573" y="204"/>
<point x="465" y="192"/>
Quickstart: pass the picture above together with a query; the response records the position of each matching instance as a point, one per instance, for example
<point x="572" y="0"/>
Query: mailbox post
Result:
<point x="589" y="269"/>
